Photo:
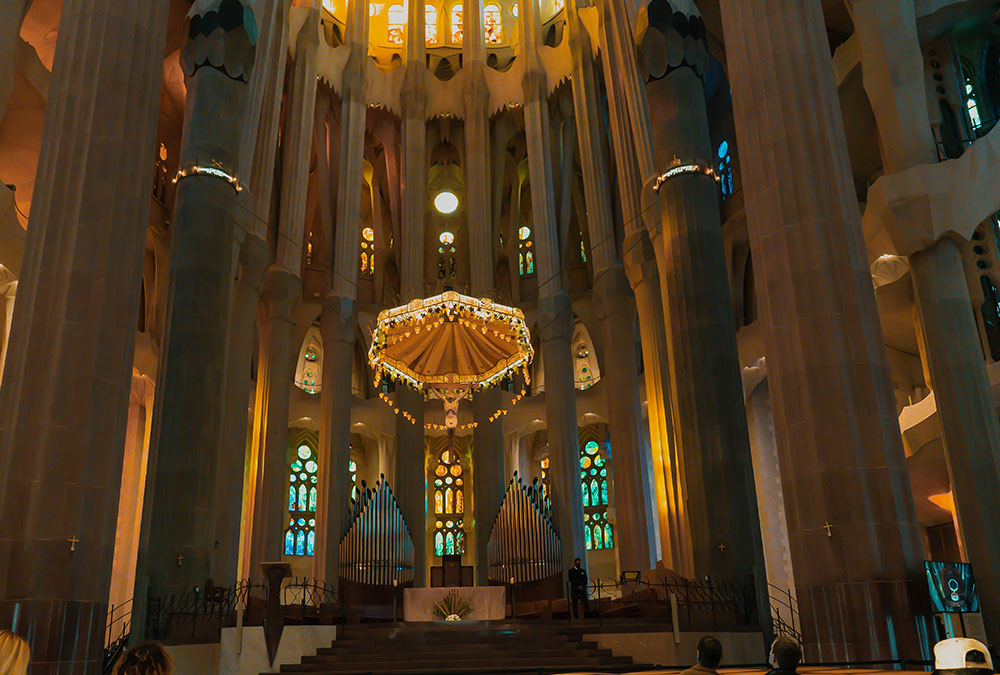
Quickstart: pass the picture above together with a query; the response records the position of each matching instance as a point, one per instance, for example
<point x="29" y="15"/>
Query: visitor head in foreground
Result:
<point x="962" y="656"/>
<point x="14" y="654"/>
<point x="149" y="658"/>
<point x="785" y="654"/>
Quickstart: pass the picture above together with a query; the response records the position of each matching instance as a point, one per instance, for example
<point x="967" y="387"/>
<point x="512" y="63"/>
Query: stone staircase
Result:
<point x="461" y="648"/>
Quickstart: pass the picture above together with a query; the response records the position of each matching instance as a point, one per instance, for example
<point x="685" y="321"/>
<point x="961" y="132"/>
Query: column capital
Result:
<point x="339" y="320"/>
<point x="227" y="43"/>
<point x="672" y="40"/>
<point x="280" y="294"/>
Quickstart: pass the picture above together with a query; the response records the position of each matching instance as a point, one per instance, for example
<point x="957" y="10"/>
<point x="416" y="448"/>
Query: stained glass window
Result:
<point x="449" y="504"/>
<point x="725" y="170"/>
<point x="352" y="467"/>
<point x="491" y="24"/>
<point x="526" y="251"/>
<point x="430" y="24"/>
<point x="397" y="19"/>
<point x="456" y="23"/>
<point x="558" y="5"/>
<point x="971" y="105"/>
<point x="309" y="367"/>
<point x="300" y="537"/>
<point x="598" y="531"/>
<point x="368" y="248"/>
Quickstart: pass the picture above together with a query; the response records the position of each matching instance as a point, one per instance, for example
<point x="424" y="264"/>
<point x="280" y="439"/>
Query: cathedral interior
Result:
<point x="334" y="309"/>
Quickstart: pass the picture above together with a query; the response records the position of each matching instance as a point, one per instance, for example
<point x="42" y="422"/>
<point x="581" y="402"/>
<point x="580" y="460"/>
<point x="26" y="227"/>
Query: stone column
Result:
<point x="339" y="318"/>
<point x="966" y="411"/>
<point x="8" y="291"/>
<point x="487" y="449"/>
<point x="555" y="310"/>
<point x="613" y="303"/>
<point x="413" y="184"/>
<point x="894" y="75"/>
<point x="640" y="266"/>
<point x="411" y="492"/>
<point x="706" y="395"/>
<point x="224" y="567"/>
<point x="178" y="532"/>
<point x="855" y="551"/>
<point x="280" y="297"/>
<point x="58" y="510"/>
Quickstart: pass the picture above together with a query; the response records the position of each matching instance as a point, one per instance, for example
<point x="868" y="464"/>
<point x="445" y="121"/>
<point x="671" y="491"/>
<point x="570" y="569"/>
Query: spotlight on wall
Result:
<point x="446" y="202"/>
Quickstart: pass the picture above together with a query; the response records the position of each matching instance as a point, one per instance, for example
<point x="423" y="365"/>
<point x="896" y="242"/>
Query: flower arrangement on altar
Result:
<point x="451" y="607"/>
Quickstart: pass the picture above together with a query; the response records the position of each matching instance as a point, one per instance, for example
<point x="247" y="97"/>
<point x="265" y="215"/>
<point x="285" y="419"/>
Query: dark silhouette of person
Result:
<point x="578" y="588"/>
<point x="785" y="656"/>
<point x="709" y="657"/>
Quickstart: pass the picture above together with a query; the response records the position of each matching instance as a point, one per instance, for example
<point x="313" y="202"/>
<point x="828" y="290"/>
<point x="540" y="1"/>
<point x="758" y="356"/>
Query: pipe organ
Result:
<point x="523" y="543"/>
<point x="378" y="548"/>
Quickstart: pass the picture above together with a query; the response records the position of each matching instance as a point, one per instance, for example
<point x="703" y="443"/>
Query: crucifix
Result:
<point x="180" y="559"/>
<point x="73" y="541"/>
<point x="721" y="547"/>
<point x="828" y="527"/>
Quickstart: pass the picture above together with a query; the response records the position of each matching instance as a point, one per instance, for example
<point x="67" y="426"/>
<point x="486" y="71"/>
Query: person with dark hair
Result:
<point x="578" y="588"/>
<point x="785" y="655"/>
<point x="149" y="658"/>
<point x="709" y="657"/>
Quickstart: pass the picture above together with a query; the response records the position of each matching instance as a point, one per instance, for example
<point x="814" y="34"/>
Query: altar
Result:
<point x="487" y="602"/>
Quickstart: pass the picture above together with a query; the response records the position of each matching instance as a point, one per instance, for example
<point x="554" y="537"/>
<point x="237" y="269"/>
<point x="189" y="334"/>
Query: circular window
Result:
<point x="456" y="470"/>
<point x="311" y="466"/>
<point x="524" y="232"/>
<point x="368" y="233"/>
<point x="446" y="202"/>
<point x="446" y="238"/>
<point x="304" y="452"/>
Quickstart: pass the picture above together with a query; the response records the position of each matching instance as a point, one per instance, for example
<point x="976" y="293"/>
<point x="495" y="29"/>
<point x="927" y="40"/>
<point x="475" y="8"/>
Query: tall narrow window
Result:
<point x="397" y="19"/>
<point x="725" y="170"/>
<point x="971" y="105"/>
<point x="491" y="24"/>
<point x="300" y="537"/>
<point x="526" y="251"/>
<point x="352" y="468"/>
<point x="456" y="23"/>
<point x="430" y="24"/>
<point x="598" y="531"/>
<point x="367" y="251"/>
<point x="449" y="505"/>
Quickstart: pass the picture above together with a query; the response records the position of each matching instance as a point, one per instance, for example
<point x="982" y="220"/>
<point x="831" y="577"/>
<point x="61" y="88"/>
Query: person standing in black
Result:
<point x="578" y="588"/>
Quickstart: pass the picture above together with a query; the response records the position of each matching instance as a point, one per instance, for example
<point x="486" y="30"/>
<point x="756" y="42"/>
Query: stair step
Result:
<point x="493" y="666"/>
<point x="460" y="655"/>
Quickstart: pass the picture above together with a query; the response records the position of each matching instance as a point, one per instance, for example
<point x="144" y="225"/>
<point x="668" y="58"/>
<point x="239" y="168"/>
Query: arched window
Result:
<point x="724" y="169"/>
<point x="397" y="19"/>
<point x="492" y="29"/>
<point x="971" y="104"/>
<point x="430" y="24"/>
<point x="586" y="371"/>
<point x="598" y="531"/>
<point x="300" y="537"/>
<point x="309" y="368"/>
<point x="368" y="250"/>
<point x="449" y="505"/>
<point x="456" y="23"/>
<point x="352" y="468"/>
<point x="526" y="251"/>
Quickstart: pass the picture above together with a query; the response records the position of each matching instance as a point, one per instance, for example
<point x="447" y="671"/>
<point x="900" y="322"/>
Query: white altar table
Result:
<point x="488" y="602"/>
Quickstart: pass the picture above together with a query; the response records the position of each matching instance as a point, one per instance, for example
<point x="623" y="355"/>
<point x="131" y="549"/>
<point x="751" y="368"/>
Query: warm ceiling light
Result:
<point x="446" y="202"/>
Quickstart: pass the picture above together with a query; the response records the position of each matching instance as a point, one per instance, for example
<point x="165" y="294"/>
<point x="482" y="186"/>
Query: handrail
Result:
<point x="781" y="601"/>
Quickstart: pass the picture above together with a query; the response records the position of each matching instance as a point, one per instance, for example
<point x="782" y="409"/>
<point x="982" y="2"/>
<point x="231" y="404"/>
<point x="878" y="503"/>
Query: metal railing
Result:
<point x="212" y="607"/>
<point x="705" y="603"/>
<point x="784" y="612"/>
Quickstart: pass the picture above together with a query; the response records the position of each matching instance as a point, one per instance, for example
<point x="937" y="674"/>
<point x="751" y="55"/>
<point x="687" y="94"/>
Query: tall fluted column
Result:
<point x="555" y="310"/>
<point x="640" y="266"/>
<point x="893" y="68"/>
<point x="339" y="317"/>
<point x="279" y="298"/>
<point x="178" y="533"/>
<point x="707" y="398"/>
<point x="613" y="303"/>
<point x="411" y="490"/>
<point x="224" y="567"/>
<point x="487" y="450"/>
<point x="854" y="551"/>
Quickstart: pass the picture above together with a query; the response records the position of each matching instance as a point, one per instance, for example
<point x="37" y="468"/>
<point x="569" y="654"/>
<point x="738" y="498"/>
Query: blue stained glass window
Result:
<point x="594" y="489"/>
<point x="312" y="499"/>
<point x="310" y="542"/>
<point x="598" y="541"/>
<point x="595" y="493"/>
<point x="289" y="542"/>
<point x="300" y="543"/>
<point x="608" y="540"/>
<point x="586" y="535"/>
<point x="604" y="493"/>
<point x="291" y="498"/>
<point x="449" y="543"/>
<point x="586" y="496"/>
<point x="725" y="170"/>
<point x="438" y="543"/>
<point x="303" y="496"/>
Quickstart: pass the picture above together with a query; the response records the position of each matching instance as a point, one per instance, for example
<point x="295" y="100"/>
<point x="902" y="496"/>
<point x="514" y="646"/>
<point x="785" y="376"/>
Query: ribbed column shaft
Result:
<point x="834" y="415"/>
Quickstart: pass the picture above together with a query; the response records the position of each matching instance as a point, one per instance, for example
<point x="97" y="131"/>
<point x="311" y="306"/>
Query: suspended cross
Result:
<point x="828" y="527"/>
<point x="722" y="547"/>
<point x="73" y="541"/>
<point x="180" y="559"/>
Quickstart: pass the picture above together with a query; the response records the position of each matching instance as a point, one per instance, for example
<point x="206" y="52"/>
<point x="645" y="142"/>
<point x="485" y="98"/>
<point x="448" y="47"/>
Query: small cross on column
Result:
<point x="180" y="559"/>
<point x="722" y="547"/>
<point x="828" y="527"/>
<point x="73" y="541"/>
